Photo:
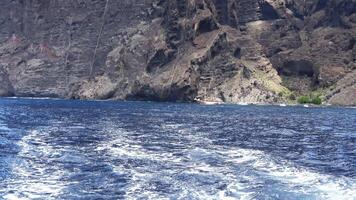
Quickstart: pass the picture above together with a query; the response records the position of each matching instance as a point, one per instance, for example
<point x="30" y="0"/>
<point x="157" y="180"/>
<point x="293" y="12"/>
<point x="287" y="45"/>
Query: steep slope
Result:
<point x="178" y="50"/>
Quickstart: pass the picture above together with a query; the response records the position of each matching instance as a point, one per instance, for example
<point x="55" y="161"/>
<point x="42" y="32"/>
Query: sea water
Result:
<point x="61" y="149"/>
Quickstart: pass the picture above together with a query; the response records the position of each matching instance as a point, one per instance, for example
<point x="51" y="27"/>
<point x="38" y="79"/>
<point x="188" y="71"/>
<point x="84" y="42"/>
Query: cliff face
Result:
<point x="50" y="47"/>
<point x="179" y="50"/>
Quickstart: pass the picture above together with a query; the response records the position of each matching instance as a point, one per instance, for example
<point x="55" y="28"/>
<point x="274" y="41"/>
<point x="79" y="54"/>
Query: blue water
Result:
<point x="57" y="149"/>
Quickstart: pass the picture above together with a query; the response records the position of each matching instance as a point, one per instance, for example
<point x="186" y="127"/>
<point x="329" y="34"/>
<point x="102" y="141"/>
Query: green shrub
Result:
<point x="316" y="100"/>
<point x="310" y="99"/>
<point x="303" y="100"/>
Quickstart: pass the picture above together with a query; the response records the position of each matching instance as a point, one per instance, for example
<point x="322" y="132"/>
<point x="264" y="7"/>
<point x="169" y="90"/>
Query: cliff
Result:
<point x="179" y="50"/>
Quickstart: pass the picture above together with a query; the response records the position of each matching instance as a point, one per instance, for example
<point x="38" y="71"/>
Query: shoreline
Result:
<point x="187" y="102"/>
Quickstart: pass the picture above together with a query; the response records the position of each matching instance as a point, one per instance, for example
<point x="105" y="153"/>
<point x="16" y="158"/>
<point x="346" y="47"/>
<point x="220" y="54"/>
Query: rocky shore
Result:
<point x="265" y="51"/>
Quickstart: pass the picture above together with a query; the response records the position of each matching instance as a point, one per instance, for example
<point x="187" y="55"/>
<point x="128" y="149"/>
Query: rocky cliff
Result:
<point x="179" y="50"/>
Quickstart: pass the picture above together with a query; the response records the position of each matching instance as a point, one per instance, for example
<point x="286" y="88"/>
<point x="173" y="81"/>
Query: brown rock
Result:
<point x="231" y="50"/>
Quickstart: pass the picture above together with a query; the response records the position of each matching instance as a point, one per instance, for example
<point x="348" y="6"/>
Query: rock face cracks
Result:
<point x="178" y="50"/>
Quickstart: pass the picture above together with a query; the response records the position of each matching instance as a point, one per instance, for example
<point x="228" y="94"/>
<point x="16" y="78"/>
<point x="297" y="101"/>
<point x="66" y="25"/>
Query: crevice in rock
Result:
<point x="321" y="5"/>
<point x="237" y="53"/>
<point x="267" y="11"/>
<point x="173" y="28"/>
<point x="158" y="60"/>
<point x="206" y="25"/>
<point x="182" y="7"/>
<point x="290" y="5"/>
<point x="298" y="68"/>
<point x="222" y="10"/>
<point x="299" y="75"/>
<point x="247" y="11"/>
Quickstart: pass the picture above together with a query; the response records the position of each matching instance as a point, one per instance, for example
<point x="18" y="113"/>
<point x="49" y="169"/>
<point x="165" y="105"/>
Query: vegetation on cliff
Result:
<point x="178" y="50"/>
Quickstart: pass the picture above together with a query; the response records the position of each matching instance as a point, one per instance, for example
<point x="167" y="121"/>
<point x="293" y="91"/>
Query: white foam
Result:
<point x="12" y="197"/>
<point x="4" y="128"/>
<point x="125" y="148"/>
<point x="329" y="187"/>
<point x="33" y="180"/>
<point x="255" y="168"/>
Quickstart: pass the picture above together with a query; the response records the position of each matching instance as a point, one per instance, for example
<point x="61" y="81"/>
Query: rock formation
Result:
<point x="179" y="50"/>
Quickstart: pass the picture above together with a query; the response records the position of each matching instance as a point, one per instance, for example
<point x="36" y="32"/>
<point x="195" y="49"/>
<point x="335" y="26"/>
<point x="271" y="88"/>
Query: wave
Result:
<point x="300" y="181"/>
<point x="34" y="179"/>
<point x="202" y="170"/>
<point x="186" y="164"/>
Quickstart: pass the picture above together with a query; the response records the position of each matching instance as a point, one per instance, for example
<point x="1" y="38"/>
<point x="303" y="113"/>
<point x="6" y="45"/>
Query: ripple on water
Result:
<point x="219" y="173"/>
<point x="174" y="151"/>
<point x="34" y="178"/>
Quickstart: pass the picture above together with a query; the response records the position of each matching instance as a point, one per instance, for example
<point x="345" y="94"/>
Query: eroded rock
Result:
<point x="179" y="50"/>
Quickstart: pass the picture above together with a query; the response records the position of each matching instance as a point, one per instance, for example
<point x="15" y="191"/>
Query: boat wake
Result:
<point x="201" y="170"/>
<point x="35" y="178"/>
<point x="164" y="153"/>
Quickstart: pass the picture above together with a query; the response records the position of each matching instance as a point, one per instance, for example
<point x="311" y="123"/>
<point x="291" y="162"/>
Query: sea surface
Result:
<point x="61" y="149"/>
